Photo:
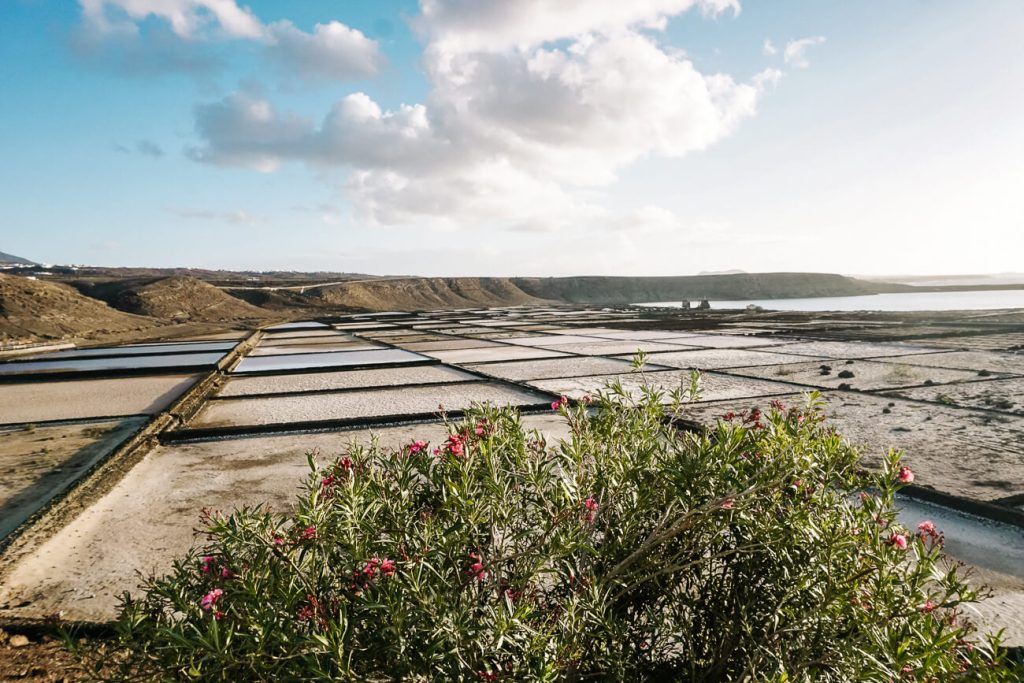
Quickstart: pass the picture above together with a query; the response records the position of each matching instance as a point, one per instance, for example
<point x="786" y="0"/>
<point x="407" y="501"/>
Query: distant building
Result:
<point x="703" y="304"/>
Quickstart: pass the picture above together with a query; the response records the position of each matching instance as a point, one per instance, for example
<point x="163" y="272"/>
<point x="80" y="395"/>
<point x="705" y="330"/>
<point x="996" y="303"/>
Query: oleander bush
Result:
<point x="758" y="550"/>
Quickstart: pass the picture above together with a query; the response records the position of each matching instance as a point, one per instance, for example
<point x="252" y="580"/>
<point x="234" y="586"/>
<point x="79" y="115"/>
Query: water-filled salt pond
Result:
<point x="176" y="361"/>
<point x="305" y="361"/>
<point x="135" y="350"/>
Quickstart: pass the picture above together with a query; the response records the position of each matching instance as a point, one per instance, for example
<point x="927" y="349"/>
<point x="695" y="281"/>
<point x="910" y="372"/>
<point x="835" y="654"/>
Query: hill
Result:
<point x="12" y="260"/>
<point x="732" y="286"/>
<point x="32" y="309"/>
<point x="415" y="293"/>
<point x="174" y="299"/>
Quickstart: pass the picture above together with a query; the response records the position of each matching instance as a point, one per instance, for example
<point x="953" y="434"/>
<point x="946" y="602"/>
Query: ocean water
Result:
<point x="904" y="301"/>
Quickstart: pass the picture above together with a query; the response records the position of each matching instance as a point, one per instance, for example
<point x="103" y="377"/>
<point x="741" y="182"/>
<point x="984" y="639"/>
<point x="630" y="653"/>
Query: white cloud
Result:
<point x="187" y="18"/>
<point x="767" y="77"/>
<point x="332" y="51"/>
<point x="496" y="25"/>
<point x="523" y="136"/>
<point x="795" y="53"/>
<point x="769" y="47"/>
<point x="236" y="217"/>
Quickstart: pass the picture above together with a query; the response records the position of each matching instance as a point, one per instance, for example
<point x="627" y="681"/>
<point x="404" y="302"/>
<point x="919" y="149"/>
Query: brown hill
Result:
<point x="181" y="299"/>
<point x="728" y="286"/>
<point x="31" y="309"/>
<point x="418" y="293"/>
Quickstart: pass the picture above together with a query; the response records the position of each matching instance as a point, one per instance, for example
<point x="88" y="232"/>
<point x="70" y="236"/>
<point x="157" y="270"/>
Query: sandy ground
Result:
<point x="39" y="462"/>
<point x="858" y="374"/>
<point x="355" y="404"/>
<point x="971" y="360"/>
<point x="838" y="349"/>
<point x="1003" y="395"/>
<point x="74" y="399"/>
<point x="149" y="517"/>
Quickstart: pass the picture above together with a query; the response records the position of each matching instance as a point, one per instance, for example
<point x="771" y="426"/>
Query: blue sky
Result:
<point x="538" y="138"/>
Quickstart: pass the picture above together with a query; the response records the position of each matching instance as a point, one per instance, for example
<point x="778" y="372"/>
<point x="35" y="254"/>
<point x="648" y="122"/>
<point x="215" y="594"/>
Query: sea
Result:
<point x="903" y="301"/>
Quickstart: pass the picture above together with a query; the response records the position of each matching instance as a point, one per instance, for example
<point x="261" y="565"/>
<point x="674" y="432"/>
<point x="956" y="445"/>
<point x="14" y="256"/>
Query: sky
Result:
<point x="527" y="138"/>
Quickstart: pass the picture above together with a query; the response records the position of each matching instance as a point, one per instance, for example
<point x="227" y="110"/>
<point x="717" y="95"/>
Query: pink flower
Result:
<point x="927" y="527"/>
<point x="327" y="481"/>
<point x="454" y="445"/>
<point x="308" y="534"/>
<point x="387" y="568"/>
<point x="345" y="463"/>
<point x="477" y="569"/>
<point x="278" y="539"/>
<point x="905" y="476"/>
<point x="728" y="503"/>
<point x="564" y="400"/>
<point x="207" y="564"/>
<point x="729" y="416"/>
<point x="218" y="615"/>
<point x="928" y="607"/>
<point x="370" y="569"/>
<point x="590" y="505"/>
<point x="898" y="540"/>
<point x="225" y="573"/>
<point x="777" y="405"/>
<point x="211" y="598"/>
<point x="417" y="446"/>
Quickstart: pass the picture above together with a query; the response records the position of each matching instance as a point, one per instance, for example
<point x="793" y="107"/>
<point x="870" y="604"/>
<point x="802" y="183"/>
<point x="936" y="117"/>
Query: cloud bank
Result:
<point x="533" y="107"/>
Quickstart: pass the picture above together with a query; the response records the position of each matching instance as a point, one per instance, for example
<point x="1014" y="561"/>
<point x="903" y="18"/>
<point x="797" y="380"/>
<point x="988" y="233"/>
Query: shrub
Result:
<point x="757" y="550"/>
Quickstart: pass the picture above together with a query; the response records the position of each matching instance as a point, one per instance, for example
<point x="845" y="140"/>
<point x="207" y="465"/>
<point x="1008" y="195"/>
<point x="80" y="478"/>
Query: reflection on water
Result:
<point x="136" y="350"/>
<point x="184" y="360"/>
<point x="326" y="360"/>
<point x="906" y="301"/>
